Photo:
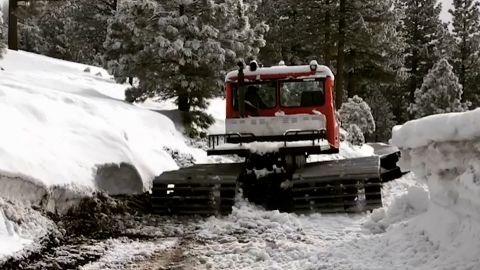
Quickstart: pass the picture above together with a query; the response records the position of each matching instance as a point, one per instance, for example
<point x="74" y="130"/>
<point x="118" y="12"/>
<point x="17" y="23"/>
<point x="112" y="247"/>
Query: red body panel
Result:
<point x="328" y="109"/>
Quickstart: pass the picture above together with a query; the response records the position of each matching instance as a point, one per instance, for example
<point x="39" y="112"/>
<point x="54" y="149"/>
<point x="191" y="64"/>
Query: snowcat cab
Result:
<point x="281" y="104"/>
<point x="276" y="117"/>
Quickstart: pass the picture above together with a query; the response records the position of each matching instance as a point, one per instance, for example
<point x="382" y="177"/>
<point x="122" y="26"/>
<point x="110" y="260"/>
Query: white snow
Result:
<point x="252" y="238"/>
<point x="347" y="150"/>
<point x="262" y="148"/>
<point x="63" y="123"/>
<point x="321" y="72"/>
<point x="444" y="153"/>
<point x="20" y="226"/>
<point x="438" y="128"/>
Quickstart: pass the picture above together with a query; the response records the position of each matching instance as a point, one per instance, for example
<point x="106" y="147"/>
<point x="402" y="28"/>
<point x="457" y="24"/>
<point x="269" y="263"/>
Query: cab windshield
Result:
<point x="258" y="95"/>
<point x="302" y="93"/>
<point x="292" y="93"/>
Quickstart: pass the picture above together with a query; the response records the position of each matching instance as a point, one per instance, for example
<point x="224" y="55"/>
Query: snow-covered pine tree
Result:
<point x="71" y="30"/>
<point x="129" y="46"/>
<point x="420" y="28"/>
<point x="181" y="49"/>
<point x="466" y="52"/>
<point x="355" y="135"/>
<point x="440" y="92"/>
<point x="356" y="114"/>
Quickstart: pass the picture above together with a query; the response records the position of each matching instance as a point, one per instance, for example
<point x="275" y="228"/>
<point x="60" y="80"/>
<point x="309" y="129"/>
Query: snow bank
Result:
<point x="65" y="125"/>
<point x="443" y="151"/>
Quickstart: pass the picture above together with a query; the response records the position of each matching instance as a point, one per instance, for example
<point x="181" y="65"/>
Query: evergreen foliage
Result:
<point x="371" y="50"/>
<point x="181" y="49"/>
<point x="382" y="50"/>
<point x="356" y="114"/>
<point x="355" y="135"/>
<point x="383" y="115"/>
<point x="440" y="92"/>
<point x="466" y="55"/>
<point x="71" y="30"/>
<point x="421" y="28"/>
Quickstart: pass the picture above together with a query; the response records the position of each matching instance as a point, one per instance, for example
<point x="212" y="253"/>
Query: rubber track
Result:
<point x="349" y="185"/>
<point x="204" y="189"/>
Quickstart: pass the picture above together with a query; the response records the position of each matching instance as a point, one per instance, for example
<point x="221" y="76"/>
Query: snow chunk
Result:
<point x="20" y="226"/>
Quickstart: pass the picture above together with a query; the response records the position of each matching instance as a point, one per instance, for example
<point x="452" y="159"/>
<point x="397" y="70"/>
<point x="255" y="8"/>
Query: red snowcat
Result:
<point x="276" y="118"/>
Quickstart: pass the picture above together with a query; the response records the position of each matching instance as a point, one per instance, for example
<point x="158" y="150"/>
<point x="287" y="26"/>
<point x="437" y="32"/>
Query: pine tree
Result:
<point x="73" y="30"/>
<point x="181" y="49"/>
<point x="421" y="27"/>
<point x="356" y="114"/>
<point x="373" y="49"/>
<point x="357" y="39"/>
<point x="288" y="16"/>
<point x="440" y="92"/>
<point x="355" y="135"/>
<point x="466" y="56"/>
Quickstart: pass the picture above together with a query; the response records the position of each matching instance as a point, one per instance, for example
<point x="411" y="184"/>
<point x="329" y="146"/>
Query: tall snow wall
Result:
<point x="443" y="151"/>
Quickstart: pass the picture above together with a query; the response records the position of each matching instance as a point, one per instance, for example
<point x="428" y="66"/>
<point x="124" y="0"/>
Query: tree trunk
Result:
<point x="183" y="102"/>
<point x="340" y="56"/>
<point x="12" y="25"/>
<point x="351" y="78"/>
<point x="326" y="53"/>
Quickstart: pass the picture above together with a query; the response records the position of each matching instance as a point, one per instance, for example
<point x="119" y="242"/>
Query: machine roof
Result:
<point x="303" y="71"/>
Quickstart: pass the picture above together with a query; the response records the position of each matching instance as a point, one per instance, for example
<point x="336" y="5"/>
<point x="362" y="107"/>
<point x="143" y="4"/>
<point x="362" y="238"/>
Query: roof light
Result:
<point x="313" y="65"/>
<point x="281" y="63"/>
<point x="253" y="65"/>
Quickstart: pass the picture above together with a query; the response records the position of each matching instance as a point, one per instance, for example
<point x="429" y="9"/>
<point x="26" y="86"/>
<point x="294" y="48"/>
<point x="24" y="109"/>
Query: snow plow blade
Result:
<point x="348" y="185"/>
<point x="204" y="189"/>
<point x="389" y="156"/>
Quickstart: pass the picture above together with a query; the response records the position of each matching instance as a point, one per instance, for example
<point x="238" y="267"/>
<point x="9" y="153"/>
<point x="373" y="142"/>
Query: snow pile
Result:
<point x="444" y="152"/>
<point x="19" y="227"/>
<point x="66" y="128"/>
<point x="410" y="204"/>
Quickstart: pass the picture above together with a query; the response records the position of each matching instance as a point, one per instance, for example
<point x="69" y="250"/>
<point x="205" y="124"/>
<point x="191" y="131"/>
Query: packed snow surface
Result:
<point x="444" y="152"/>
<point x="252" y="238"/>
